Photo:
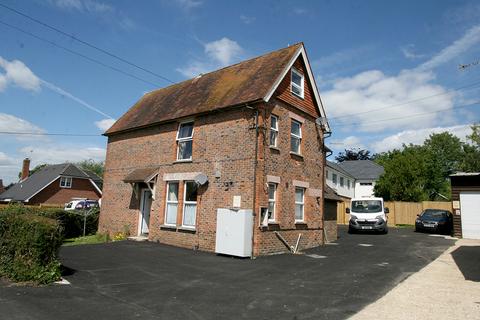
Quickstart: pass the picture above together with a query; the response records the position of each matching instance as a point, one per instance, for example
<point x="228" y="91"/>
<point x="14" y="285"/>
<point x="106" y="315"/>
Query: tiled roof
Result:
<point x="246" y="82"/>
<point x="362" y="169"/>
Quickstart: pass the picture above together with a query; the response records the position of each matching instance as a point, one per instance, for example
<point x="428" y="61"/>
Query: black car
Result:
<point x="435" y="220"/>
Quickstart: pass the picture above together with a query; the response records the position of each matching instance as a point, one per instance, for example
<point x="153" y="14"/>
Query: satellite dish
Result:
<point x="201" y="179"/>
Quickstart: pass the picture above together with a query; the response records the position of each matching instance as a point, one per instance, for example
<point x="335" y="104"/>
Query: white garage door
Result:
<point x="470" y="208"/>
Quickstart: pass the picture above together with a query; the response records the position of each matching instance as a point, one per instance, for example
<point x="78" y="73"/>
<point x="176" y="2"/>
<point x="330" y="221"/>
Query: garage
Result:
<point x="466" y="204"/>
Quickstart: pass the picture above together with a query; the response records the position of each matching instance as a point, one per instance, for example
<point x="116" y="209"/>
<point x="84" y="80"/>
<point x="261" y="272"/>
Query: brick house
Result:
<point x="249" y="136"/>
<point x="53" y="185"/>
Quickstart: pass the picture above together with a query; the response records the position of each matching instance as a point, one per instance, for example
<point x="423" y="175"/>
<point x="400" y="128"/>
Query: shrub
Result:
<point x="29" y="247"/>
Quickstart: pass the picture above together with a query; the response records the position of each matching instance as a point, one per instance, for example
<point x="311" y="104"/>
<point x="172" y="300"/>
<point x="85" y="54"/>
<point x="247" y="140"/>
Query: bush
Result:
<point x="71" y="221"/>
<point x="29" y="247"/>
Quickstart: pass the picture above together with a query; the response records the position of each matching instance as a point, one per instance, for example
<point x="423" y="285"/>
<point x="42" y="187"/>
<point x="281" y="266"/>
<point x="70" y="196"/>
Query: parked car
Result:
<point x="367" y="214"/>
<point x="434" y="220"/>
<point x="80" y="204"/>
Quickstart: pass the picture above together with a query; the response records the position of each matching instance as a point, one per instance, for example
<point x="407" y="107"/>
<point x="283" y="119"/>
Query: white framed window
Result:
<point x="184" y="141"/>
<point x="299" y="204"/>
<point x="348" y="184"/>
<point x="189" y="204"/>
<point x="334" y="178"/>
<point x="273" y="130"/>
<point x="342" y="181"/>
<point x="297" y="83"/>
<point x="272" y="196"/>
<point x="326" y="174"/>
<point x="296" y="137"/>
<point x="65" y="182"/>
<point x="171" y="207"/>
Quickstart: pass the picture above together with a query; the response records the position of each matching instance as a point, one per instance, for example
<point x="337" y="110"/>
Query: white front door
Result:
<point x="470" y="210"/>
<point x="145" y="206"/>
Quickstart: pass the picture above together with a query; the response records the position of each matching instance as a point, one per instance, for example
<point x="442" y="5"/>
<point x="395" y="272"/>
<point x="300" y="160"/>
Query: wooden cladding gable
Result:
<point x="306" y="104"/>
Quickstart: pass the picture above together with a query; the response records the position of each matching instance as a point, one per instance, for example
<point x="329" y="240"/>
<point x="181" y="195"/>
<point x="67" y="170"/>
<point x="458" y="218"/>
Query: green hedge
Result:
<point x="71" y="221"/>
<point x="29" y="247"/>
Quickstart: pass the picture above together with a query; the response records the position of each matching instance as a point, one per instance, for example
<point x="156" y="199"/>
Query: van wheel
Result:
<point x="385" y="231"/>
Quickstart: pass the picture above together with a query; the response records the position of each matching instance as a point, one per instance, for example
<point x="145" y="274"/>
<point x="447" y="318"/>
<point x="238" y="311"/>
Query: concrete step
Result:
<point x="138" y="238"/>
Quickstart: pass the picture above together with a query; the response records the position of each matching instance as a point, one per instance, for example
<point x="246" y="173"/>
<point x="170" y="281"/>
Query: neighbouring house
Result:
<point x="2" y="187"/>
<point x="331" y="200"/>
<point x="466" y="204"/>
<point x="244" y="143"/>
<point x="353" y="178"/>
<point x="53" y="185"/>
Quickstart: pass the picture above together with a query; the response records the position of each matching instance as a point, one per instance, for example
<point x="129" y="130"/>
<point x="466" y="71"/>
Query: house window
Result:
<point x="190" y="204"/>
<point x="65" y="182"/>
<point x="272" y="196"/>
<point x="334" y="178"/>
<point x="299" y="203"/>
<point x="297" y="83"/>
<point x="172" y="204"/>
<point x="348" y="184"/>
<point x="273" y="131"/>
<point x="295" y="137"/>
<point x="326" y="174"/>
<point x="342" y="181"/>
<point x="366" y="184"/>
<point x="185" y="141"/>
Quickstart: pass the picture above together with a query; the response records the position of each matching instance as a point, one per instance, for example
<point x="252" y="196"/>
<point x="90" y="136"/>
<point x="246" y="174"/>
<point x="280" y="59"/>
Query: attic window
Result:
<point x="184" y="141"/>
<point x="297" y="83"/>
<point x="65" y="182"/>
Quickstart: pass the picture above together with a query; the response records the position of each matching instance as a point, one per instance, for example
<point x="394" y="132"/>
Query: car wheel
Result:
<point x="385" y="231"/>
<point x="351" y="231"/>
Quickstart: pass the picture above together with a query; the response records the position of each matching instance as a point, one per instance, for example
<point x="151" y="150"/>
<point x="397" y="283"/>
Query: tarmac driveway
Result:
<point x="130" y="280"/>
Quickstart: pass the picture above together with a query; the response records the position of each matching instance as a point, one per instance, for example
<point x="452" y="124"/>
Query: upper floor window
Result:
<point x="348" y="183"/>
<point x="297" y="83"/>
<point x="273" y="130"/>
<point x="334" y="178"/>
<point x="65" y="182"/>
<point x="342" y="181"/>
<point x="185" y="141"/>
<point x="272" y="195"/>
<point x="326" y="174"/>
<point x="295" y="137"/>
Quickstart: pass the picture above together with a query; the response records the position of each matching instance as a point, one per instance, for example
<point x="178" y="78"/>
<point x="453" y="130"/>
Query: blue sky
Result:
<point x="387" y="71"/>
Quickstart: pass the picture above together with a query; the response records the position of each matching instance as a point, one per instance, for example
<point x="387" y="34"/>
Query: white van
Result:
<point x="367" y="214"/>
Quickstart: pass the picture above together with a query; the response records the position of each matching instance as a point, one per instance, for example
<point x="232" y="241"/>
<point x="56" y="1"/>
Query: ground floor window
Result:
<point x="190" y="204"/>
<point x="299" y="204"/>
<point x="272" y="196"/>
<point x="172" y="203"/>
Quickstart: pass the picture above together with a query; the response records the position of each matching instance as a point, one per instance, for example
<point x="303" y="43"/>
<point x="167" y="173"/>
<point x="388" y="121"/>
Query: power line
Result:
<point x="50" y="134"/>
<point x="472" y="85"/>
<point x="78" y="54"/>
<point x="71" y="36"/>
<point x="409" y="116"/>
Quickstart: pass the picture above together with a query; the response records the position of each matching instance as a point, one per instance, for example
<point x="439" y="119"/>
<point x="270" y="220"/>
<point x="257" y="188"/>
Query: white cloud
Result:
<point x="17" y="73"/>
<point x="417" y="137"/>
<point x="188" y="4"/>
<point x="299" y="11"/>
<point x="350" y="142"/>
<point x="90" y="6"/>
<point x="105" y="124"/>
<point x="53" y="154"/>
<point x="219" y="53"/>
<point x="6" y="161"/>
<point x="246" y="19"/>
<point x="10" y="123"/>
<point x="409" y="52"/>
<point x="469" y="39"/>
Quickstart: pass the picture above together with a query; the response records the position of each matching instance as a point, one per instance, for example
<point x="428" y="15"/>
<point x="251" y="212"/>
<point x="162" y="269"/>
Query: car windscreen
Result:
<point x="433" y="214"/>
<point x="366" y="206"/>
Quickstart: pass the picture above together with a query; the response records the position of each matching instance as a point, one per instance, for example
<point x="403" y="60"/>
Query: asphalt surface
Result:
<point x="130" y="280"/>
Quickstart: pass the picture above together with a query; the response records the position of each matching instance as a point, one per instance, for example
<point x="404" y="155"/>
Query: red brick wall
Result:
<point x="53" y="194"/>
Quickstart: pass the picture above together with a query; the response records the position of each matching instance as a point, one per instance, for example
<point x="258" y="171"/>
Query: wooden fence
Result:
<point x="400" y="212"/>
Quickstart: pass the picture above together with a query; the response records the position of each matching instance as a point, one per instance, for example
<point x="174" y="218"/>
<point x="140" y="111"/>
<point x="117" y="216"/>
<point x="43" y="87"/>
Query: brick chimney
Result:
<point x="25" y="169"/>
<point x="2" y="188"/>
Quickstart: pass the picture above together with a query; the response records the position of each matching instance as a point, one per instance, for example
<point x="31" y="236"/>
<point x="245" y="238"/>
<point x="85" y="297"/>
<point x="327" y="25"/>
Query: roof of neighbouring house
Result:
<point x="362" y="169"/>
<point x="330" y="194"/>
<point x="335" y="166"/>
<point x="24" y="190"/>
<point x="242" y="83"/>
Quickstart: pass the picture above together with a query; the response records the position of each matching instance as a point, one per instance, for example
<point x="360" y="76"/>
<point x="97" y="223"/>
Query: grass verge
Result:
<point x="93" y="239"/>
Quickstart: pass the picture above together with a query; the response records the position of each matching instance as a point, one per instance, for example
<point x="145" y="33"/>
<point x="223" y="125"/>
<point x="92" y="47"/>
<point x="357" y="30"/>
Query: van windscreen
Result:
<point x="367" y="206"/>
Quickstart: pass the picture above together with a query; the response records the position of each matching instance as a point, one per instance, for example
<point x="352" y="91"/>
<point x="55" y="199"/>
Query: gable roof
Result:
<point x="336" y="166"/>
<point x="362" y="169"/>
<point x="242" y="83"/>
<point x="26" y="189"/>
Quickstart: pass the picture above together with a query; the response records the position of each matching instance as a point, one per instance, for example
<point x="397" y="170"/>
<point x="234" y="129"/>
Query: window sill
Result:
<point x="183" y="161"/>
<point x="187" y="229"/>
<point x="298" y="96"/>
<point x="296" y="154"/>
<point x="274" y="148"/>
<point x="168" y="227"/>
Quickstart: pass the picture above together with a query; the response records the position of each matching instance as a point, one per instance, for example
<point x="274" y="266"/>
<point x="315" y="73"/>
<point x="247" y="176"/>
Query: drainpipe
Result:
<point x="254" y="178"/>
<point x="326" y="134"/>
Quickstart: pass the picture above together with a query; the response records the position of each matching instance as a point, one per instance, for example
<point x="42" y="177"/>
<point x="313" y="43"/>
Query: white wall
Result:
<point x="342" y="191"/>
<point x="364" y="191"/>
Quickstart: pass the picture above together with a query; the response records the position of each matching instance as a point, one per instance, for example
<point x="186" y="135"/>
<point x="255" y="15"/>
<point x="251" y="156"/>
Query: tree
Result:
<point x="37" y="168"/>
<point x="354" y="154"/>
<point x="96" y="167"/>
<point x="471" y="159"/>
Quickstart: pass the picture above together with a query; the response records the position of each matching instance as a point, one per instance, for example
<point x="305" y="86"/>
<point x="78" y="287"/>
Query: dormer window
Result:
<point x="65" y="182"/>
<point x="184" y="141"/>
<point x="297" y="83"/>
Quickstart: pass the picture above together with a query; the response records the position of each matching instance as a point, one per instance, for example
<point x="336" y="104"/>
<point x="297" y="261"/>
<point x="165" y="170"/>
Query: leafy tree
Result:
<point x="37" y="168"/>
<point x="471" y="159"/>
<point x="354" y="154"/>
<point x="96" y="167"/>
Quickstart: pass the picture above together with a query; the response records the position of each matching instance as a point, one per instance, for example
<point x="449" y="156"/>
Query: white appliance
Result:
<point x="234" y="232"/>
